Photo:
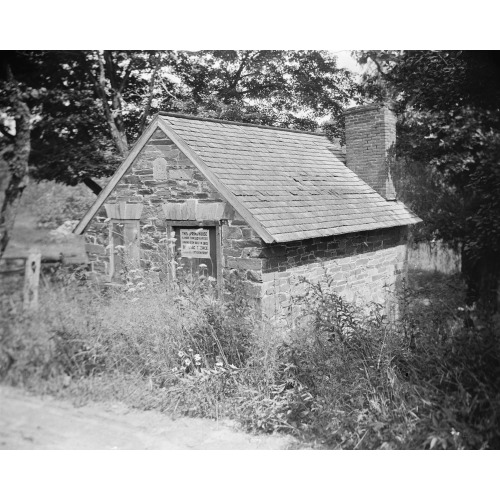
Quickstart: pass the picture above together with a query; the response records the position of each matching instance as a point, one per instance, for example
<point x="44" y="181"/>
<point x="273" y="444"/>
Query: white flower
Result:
<point x="197" y="357"/>
<point x="181" y="354"/>
<point x="187" y="361"/>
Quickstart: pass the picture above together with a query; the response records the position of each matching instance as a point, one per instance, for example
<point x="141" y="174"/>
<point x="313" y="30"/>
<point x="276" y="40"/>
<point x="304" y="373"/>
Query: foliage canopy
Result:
<point x="89" y="106"/>
<point x="449" y="149"/>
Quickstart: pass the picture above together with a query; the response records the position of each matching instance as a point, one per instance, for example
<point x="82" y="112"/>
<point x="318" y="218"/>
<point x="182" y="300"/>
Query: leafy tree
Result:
<point x="14" y="152"/>
<point x="297" y="89"/>
<point x="449" y="129"/>
<point x="87" y="107"/>
<point x="73" y="121"/>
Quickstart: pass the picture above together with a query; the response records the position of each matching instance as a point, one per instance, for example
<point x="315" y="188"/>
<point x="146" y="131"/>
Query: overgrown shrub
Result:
<point x="346" y="379"/>
<point x="82" y="331"/>
<point x="358" y="381"/>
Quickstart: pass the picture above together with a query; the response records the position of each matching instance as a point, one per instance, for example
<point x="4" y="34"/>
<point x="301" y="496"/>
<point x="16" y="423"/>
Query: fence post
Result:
<point x="31" y="280"/>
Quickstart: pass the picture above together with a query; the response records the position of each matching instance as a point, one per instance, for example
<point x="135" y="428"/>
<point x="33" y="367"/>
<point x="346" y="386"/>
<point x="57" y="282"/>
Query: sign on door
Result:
<point x="195" y="243"/>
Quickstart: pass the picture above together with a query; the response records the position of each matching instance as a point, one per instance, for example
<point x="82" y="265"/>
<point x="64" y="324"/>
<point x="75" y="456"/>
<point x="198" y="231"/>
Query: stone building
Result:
<point x="273" y="203"/>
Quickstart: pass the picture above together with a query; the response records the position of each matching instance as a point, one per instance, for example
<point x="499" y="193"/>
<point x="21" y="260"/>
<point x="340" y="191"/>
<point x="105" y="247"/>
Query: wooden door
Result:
<point x="196" y="247"/>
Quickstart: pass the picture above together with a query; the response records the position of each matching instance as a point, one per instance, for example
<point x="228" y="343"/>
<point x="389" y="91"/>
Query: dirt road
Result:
<point x="34" y="423"/>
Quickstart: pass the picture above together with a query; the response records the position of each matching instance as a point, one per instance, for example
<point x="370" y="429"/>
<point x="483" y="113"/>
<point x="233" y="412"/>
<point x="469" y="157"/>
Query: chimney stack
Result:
<point x="370" y="132"/>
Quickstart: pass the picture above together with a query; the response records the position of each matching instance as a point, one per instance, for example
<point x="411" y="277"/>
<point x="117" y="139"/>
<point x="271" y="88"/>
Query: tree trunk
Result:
<point x="489" y="277"/>
<point x="92" y="185"/>
<point x="119" y="138"/>
<point x="145" y="114"/>
<point x="15" y="162"/>
<point x="113" y="115"/>
<point x="482" y="277"/>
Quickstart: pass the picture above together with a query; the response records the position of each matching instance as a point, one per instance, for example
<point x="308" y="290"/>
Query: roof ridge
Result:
<point x="229" y="122"/>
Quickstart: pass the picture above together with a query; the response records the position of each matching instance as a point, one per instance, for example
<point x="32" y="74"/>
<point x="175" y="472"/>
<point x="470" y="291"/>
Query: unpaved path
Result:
<point x="35" y="423"/>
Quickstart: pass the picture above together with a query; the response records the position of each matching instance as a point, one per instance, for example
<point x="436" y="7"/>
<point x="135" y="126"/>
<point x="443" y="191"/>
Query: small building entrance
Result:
<point x="196" y="249"/>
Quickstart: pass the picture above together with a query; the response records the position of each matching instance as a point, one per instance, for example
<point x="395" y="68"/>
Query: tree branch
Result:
<point x="92" y="185"/>
<point x="110" y="67"/>
<point x="115" y="124"/>
<point x="166" y="90"/>
<point x="6" y="133"/>
<point x="126" y="76"/>
<point x="379" y="69"/>
<point x="6" y="150"/>
<point x="239" y="71"/>
<point x="150" y="97"/>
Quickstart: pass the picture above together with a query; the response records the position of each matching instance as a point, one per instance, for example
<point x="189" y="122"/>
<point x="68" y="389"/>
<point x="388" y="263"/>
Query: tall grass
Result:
<point x="344" y="380"/>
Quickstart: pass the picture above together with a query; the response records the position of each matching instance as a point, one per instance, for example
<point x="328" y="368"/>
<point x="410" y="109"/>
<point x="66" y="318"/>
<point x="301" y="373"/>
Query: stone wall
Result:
<point x="363" y="267"/>
<point x="242" y="250"/>
<point x="162" y="173"/>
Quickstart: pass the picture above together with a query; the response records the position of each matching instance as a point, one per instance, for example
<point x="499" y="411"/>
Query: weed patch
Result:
<point x="347" y="380"/>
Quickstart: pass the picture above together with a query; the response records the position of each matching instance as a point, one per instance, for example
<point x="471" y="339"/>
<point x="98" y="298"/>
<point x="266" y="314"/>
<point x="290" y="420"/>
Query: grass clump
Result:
<point x="160" y="337"/>
<point x="347" y="379"/>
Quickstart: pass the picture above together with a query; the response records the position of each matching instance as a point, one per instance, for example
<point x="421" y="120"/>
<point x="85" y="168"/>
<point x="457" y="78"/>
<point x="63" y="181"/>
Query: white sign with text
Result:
<point x="195" y="243"/>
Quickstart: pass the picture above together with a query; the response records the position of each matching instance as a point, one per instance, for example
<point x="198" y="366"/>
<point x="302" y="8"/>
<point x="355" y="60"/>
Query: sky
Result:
<point x="345" y="60"/>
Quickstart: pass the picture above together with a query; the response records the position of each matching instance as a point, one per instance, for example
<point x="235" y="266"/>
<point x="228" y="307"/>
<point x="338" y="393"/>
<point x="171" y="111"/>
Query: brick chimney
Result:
<point x="370" y="132"/>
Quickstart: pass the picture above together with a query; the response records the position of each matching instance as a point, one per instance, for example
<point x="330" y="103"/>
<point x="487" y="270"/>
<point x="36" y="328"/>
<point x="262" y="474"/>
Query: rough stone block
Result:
<point x="249" y="253"/>
<point x="253" y="290"/>
<point x="245" y="264"/>
<point x="255" y="276"/>
<point x="246" y="243"/>
<point x="232" y="252"/>
<point x="231" y="232"/>
<point x="268" y="277"/>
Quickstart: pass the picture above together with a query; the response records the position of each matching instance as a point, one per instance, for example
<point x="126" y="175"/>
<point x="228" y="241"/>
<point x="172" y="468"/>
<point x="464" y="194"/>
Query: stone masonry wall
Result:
<point x="364" y="268"/>
<point x="162" y="173"/>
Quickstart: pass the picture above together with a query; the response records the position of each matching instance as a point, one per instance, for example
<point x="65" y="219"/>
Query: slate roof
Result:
<point x="295" y="184"/>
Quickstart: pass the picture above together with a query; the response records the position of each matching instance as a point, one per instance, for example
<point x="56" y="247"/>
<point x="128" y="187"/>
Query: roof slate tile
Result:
<point x="295" y="184"/>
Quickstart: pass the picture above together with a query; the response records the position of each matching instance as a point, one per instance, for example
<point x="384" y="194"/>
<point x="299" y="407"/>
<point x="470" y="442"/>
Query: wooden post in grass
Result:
<point x="31" y="280"/>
